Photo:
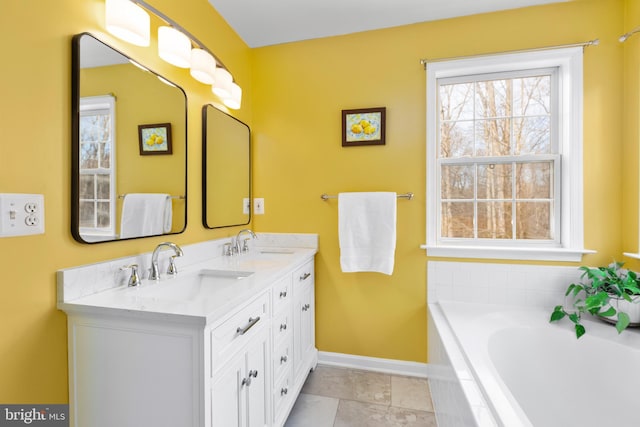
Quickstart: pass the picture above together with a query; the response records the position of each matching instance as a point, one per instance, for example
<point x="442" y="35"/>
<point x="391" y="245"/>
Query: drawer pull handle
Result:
<point x="251" y="324"/>
<point x="284" y="391"/>
<point x="253" y="374"/>
<point x="283" y="359"/>
<point x="306" y="307"/>
<point x="305" y="276"/>
<point x="283" y="327"/>
<point x="246" y="381"/>
<point x="283" y="294"/>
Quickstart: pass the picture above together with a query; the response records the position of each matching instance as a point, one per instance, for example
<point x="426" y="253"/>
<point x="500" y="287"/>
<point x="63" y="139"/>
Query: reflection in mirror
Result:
<point x="117" y="191"/>
<point x="226" y="169"/>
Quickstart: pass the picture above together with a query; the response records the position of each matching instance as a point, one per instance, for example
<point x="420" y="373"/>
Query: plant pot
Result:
<point x="631" y="308"/>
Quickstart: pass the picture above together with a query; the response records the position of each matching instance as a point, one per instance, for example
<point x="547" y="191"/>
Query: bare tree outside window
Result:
<point x="496" y="157"/>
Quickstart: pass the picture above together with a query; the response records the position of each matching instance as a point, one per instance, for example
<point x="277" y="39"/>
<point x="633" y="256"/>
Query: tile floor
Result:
<point x="340" y="397"/>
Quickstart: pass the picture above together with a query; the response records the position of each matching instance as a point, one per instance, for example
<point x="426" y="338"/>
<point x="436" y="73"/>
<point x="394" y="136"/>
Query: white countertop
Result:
<point x="190" y="298"/>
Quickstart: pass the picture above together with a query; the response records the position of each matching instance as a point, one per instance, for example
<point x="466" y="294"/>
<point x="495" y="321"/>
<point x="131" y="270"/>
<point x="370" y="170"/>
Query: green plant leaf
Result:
<point x="575" y="318"/>
<point x="623" y="321"/>
<point x="557" y="314"/>
<point x="579" y="330"/>
<point x="596" y="301"/>
<point x="609" y="312"/>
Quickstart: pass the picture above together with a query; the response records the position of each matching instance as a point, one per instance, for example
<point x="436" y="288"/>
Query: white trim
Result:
<point x="514" y="253"/>
<point x="365" y="363"/>
<point x="631" y="255"/>
<point x="569" y="61"/>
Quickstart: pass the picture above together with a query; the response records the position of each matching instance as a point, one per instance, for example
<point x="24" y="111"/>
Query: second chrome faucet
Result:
<point x="154" y="273"/>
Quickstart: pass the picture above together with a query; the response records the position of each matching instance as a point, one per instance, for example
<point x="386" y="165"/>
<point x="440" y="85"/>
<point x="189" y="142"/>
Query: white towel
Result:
<point x="367" y="231"/>
<point x="146" y="214"/>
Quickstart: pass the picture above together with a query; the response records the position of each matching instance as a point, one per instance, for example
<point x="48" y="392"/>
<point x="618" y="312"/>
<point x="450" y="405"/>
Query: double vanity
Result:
<point x="227" y="341"/>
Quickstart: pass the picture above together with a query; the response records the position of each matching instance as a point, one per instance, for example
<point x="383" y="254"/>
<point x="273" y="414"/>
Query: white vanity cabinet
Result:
<point x="137" y="365"/>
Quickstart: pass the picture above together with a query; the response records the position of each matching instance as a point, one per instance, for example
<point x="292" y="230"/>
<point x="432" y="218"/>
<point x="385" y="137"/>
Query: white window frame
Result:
<point x="93" y="103"/>
<point x="570" y="245"/>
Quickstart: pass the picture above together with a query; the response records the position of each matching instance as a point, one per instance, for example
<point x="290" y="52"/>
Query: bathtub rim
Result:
<point x="454" y="316"/>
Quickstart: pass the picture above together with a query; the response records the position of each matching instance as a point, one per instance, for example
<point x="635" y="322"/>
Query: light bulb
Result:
<point x="127" y="21"/>
<point x="174" y="47"/>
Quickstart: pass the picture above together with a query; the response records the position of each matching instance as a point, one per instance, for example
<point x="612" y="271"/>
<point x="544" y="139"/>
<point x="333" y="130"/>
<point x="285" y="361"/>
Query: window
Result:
<point x="504" y="156"/>
<point x="97" y="168"/>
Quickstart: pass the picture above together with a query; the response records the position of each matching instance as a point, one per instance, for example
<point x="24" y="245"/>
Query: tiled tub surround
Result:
<point x="168" y="353"/>
<point x="495" y="360"/>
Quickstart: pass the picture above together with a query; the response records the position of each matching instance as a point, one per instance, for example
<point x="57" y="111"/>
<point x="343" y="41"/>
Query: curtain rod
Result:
<point x="593" y="42"/>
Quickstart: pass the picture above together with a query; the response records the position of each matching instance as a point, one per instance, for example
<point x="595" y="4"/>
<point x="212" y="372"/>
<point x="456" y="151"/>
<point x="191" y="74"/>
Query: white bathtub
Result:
<point x="502" y="366"/>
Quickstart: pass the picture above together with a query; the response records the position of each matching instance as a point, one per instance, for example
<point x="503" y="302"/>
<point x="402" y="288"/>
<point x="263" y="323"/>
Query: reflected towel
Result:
<point x="367" y="231"/>
<point x="145" y="214"/>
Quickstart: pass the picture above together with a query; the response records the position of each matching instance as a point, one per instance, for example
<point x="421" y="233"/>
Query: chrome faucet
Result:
<point x="154" y="274"/>
<point x="244" y="247"/>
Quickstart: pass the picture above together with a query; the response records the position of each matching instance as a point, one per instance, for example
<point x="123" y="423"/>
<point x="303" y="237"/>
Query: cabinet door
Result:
<point x="226" y="395"/>
<point x="307" y="322"/>
<point x="257" y="369"/>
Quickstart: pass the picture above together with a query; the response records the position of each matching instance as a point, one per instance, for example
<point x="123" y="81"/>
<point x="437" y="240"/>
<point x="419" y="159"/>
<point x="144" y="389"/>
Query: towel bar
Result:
<point x="121" y="196"/>
<point x="407" y="196"/>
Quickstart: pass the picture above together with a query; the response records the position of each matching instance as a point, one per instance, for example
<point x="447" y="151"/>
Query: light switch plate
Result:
<point x="21" y="214"/>
<point x="258" y="206"/>
<point x="246" y="206"/>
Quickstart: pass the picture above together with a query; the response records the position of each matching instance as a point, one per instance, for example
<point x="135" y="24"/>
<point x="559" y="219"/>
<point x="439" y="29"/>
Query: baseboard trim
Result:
<point x="387" y="366"/>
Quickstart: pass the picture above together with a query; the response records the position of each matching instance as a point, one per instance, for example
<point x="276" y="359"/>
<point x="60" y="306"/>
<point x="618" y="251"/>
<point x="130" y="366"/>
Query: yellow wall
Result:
<point x="293" y="95"/>
<point x="35" y="157"/>
<point x="631" y="129"/>
<point x="299" y="92"/>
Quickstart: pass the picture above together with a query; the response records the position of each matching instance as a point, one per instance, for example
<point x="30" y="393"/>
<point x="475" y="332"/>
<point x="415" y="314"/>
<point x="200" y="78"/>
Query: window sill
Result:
<point x="512" y="253"/>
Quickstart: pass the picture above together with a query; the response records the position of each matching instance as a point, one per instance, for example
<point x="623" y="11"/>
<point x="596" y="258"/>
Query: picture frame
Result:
<point x="363" y="126"/>
<point x="155" y="139"/>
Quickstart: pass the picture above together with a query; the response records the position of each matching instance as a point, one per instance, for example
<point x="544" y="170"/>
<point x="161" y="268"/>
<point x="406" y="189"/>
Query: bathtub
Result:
<point x="492" y="365"/>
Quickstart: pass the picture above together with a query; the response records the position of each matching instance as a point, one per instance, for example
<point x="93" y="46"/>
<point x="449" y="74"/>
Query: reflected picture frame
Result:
<point x="155" y="139"/>
<point x="363" y="126"/>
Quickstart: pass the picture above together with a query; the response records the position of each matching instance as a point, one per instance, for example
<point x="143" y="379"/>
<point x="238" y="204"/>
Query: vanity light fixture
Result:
<point x="222" y="84"/>
<point x="127" y="21"/>
<point x="174" y="47"/>
<point x="203" y="66"/>
<point x="235" y="100"/>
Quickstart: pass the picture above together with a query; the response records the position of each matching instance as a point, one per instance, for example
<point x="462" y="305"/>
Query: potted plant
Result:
<point x="608" y="292"/>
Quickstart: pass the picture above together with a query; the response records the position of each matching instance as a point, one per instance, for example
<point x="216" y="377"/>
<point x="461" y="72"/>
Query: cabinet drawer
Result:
<point x="281" y="293"/>
<point x="282" y="393"/>
<point x="283" y="358"/>
<point x="303" y="275"/>
<point x="282" y="326"/>
<point x="233" y="333"/>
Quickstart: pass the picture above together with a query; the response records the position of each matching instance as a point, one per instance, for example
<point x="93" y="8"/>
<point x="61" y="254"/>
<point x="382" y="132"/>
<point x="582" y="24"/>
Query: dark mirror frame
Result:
<point x="205" y="184"/>
<point x="75" y="141"/>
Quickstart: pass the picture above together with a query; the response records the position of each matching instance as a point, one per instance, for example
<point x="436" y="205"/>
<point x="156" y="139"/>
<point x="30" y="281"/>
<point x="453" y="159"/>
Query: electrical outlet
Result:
<point x="258" y="206"/>
<point x="21" y="214"/>
<point x="246" y="206"/>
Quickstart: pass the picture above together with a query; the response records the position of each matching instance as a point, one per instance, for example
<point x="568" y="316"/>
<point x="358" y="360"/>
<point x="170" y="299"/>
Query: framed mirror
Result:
<point x="121" y="113"/>
<point x="226" y="169"/>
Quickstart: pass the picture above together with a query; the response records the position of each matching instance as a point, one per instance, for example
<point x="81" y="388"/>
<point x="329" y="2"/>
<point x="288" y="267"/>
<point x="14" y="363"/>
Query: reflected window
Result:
<point x="97" y="177"/>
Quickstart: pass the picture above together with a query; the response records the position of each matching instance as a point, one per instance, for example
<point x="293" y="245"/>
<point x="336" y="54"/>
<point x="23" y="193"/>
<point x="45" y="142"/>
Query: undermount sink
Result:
<point x="225" y="274"/>
<point x="276" y="251"/>
<point x="189" y="287"/>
